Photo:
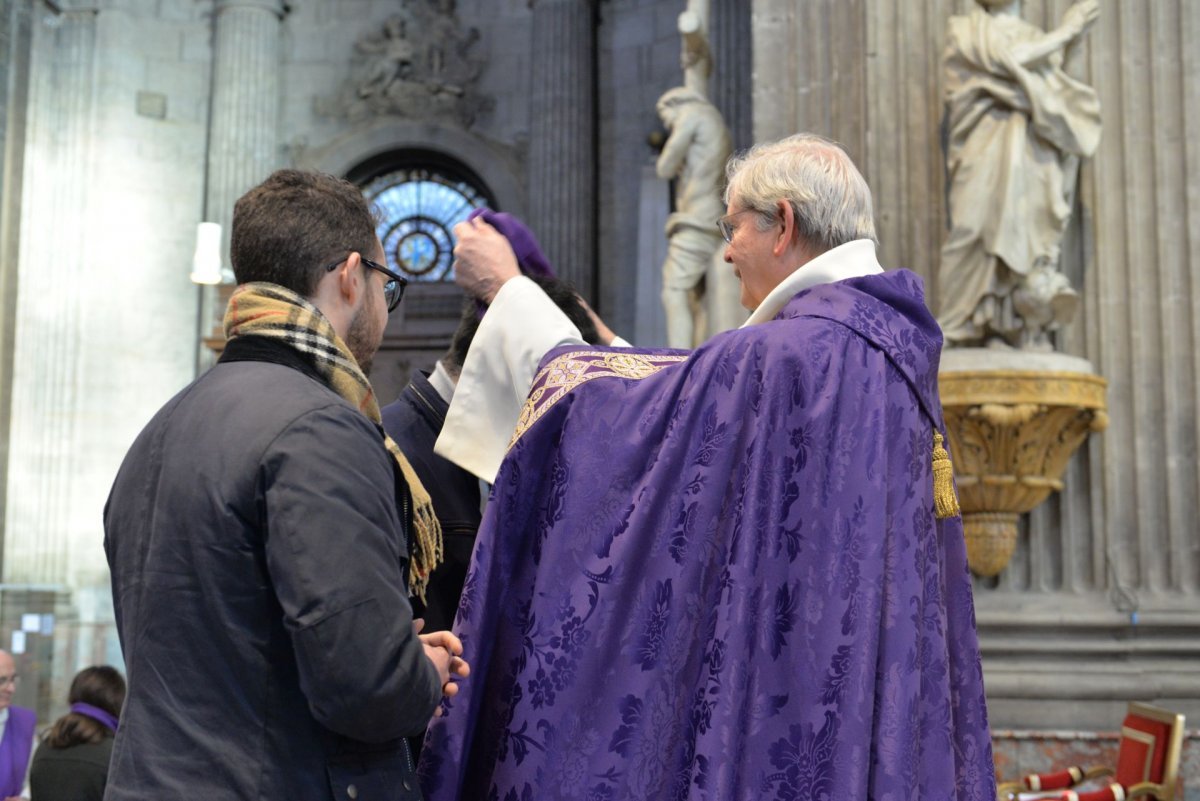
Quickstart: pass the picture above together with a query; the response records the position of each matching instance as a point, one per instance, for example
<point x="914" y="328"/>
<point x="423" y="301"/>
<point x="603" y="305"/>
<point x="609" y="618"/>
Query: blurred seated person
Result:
<point x="71" y="763"/>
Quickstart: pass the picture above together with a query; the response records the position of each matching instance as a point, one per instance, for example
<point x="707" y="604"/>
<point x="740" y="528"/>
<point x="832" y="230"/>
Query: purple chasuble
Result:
<point x="719" y="576"/>
<point x="15" y="749"/>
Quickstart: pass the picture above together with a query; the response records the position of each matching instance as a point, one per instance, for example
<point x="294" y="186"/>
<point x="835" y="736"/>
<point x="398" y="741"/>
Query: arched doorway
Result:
<point x="420" y="195"/>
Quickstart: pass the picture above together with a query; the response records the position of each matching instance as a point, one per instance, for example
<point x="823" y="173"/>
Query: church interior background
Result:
<point x="126" y="123"/>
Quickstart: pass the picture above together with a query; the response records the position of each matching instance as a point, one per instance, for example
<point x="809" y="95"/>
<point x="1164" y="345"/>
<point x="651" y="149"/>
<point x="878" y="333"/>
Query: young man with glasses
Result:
<point x="264" y="535"/>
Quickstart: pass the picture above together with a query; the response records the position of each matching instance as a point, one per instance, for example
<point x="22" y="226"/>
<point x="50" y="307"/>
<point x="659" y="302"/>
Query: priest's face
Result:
<point x="751" y="252"/>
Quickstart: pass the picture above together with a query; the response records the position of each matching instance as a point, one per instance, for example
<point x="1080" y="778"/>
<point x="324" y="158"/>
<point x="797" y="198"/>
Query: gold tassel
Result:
<point x="945" y="501"/>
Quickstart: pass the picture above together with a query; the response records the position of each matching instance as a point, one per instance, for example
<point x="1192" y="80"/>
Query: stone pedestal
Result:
<point x="1014" y="419"/>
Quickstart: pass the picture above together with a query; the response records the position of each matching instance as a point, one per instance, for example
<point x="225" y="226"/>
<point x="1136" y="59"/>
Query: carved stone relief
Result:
<point x="420" y="64"/>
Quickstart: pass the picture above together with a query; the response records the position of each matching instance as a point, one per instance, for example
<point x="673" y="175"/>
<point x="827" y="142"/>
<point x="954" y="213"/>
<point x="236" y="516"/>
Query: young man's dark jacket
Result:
<point x="257" y="536"/>
<point x="414" y="421"/>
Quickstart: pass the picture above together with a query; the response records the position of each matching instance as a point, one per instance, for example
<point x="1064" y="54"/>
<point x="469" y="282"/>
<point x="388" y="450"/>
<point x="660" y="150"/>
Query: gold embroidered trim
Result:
<point x="574" y="369"/>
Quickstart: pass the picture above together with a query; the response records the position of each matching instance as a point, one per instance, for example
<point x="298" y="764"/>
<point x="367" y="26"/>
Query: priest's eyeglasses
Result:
<point x="7" y="680"/>
<point x="723" y="224"/>
<point x="393" y="288"/>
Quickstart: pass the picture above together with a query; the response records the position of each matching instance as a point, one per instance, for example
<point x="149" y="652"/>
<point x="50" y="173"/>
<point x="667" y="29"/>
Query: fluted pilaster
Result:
<point x="562" y="171"/>
<point x="46" y="407"/>
<point x="243" y="146"/>
<point x="733" y="61"/>
<point x="15" y="21"/>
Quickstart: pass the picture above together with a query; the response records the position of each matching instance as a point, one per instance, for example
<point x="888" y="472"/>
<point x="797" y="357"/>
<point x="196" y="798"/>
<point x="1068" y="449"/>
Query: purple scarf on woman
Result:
<point x="15" y="748"/>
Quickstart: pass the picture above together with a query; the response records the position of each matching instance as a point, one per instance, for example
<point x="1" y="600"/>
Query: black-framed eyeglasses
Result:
<point x="725" y="228"/>
<point x="393" y="288"/>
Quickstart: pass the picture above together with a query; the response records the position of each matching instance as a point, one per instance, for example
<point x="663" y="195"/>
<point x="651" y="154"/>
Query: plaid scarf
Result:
<point x="269" y="310"/>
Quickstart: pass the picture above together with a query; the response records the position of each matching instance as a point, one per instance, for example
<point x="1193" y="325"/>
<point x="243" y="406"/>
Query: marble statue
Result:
<point x="696" y="55"/>
<point x="1018" y="126"/>
<point x="697" y="147"/>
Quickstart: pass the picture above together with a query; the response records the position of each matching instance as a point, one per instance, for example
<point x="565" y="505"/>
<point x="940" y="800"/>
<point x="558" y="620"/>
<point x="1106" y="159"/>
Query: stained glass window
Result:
<point x="418" y="208"/>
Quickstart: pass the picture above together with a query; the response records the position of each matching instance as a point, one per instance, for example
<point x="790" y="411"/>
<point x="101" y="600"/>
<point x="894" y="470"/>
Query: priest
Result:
<point x="734" y="573"/>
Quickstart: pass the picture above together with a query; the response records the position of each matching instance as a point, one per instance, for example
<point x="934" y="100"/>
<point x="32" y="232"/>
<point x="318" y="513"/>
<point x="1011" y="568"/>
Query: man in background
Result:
<point x="17" y="725"/>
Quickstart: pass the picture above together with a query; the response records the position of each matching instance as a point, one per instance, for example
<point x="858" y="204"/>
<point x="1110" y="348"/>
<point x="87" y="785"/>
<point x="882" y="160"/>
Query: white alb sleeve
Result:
<point x="520" y="327"/>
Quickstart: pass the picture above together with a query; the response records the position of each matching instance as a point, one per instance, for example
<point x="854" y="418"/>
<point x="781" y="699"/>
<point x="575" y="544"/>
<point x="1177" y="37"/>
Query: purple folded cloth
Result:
<point x="530" y="258"/>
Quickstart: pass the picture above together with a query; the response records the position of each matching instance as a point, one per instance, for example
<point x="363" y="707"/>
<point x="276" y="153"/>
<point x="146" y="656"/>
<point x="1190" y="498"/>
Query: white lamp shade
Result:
<point x="206" y="263"/>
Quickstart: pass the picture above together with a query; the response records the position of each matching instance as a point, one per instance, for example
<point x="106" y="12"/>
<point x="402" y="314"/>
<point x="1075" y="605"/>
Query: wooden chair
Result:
<point x="1147" y="764"/>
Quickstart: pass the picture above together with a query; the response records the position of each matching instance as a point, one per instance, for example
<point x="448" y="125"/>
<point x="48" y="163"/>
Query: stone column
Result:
<point x="243" y="138"/>
<point x="45" y="420"/>
<point x="562" y="168"/>
<point x="15" y="43"/>
<point x="733" y="62"/>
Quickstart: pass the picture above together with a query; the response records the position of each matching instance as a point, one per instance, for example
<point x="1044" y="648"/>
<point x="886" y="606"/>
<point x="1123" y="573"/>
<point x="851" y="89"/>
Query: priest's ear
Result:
<point x="787" y="235"/>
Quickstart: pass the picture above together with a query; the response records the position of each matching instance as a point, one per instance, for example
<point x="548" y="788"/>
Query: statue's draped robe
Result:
<point x="1016" y="133"/>
<point x="719" y="575"/>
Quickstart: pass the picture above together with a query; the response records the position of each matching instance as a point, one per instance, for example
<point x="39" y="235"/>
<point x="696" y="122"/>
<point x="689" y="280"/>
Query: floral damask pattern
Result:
<point x="722" y="578"/>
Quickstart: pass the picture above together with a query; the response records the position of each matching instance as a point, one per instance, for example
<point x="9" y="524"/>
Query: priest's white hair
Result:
<point x="829" y="197"/>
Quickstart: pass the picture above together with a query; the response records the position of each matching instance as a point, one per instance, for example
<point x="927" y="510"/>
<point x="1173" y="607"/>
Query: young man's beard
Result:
<point x="362" y="339"/>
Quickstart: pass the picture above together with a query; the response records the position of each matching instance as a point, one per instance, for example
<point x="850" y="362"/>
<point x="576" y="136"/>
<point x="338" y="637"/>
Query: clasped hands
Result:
<point x="445" y="652"/>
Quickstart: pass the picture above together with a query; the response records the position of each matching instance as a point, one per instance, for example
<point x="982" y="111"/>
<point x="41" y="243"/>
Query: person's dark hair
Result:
<point x="294" y="223"/>
<point x="559" y="291"/>
<point x="101" y="686"/>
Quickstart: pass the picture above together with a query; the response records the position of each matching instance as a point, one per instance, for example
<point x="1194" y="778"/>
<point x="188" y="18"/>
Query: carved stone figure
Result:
<point x="1018" y="126"/>
<point x="391" y="55"/>
<point x="696" y="56"/>
<point x="694" y="154"/>
<point x="419" y="65"/>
